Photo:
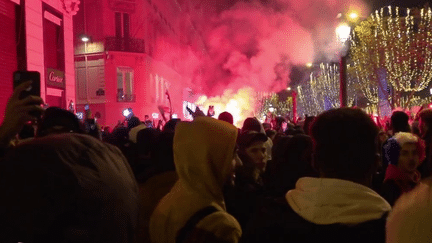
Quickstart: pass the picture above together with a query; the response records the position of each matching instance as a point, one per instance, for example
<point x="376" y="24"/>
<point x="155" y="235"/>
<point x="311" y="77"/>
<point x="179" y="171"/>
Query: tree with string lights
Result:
<point x="273" y="106"/>
<point x="308" y="105"/>
<point x="323" y="90"/>
<point x="397" y="42"/>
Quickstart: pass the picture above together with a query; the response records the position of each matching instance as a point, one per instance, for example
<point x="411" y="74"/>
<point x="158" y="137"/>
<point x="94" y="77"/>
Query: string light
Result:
<point x="324" y="88"/>
<point x="272" y="104"/>
<point x="400" y="42"/>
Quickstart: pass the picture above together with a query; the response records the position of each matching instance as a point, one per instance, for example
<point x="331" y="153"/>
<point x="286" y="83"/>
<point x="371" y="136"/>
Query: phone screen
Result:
<point x="20" y="77"/>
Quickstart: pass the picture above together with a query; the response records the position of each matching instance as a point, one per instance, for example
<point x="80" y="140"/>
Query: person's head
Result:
<point x="425" y="122"/>
<point x="226" y="116"/>
<point x="345" y="145"/>
<point x="204" y="151"/>
<point x="404" y="150"/>
<point x="271" y="134"/>
<point x="291" y="160"/>
<point x="399" y="122"/>
<point x="133" y="122"/>
<point x="171" y="125"/>
<point x="251" y="124"/>
<point x="267" y="126"/>
<point x="251" y="144"/>
<point x="146" y="141"/>
<point x="61" y="180"/>
<point x="307" y="124"/>
<point x="57" y="120"/>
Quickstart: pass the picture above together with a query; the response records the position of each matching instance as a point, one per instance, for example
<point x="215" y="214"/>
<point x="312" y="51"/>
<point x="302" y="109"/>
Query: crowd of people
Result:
<point x="337" y="177"/>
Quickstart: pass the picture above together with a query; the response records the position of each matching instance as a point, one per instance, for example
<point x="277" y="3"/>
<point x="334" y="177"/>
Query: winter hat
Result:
<point x="248" y="138"/>
<point x="393" y="146"/>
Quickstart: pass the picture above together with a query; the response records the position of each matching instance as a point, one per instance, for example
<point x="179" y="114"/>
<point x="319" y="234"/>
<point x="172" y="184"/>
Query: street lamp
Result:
<point x="343" y="32"/>
<point x="85" y="38"/>
<point x="353" y="16"/>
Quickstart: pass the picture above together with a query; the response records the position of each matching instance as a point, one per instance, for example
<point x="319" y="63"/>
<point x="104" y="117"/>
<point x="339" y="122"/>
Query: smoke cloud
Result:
<point x="255" y="43"/>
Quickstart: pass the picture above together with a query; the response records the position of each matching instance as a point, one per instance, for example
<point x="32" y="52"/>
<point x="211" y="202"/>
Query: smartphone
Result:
<point x="20" y="77"/>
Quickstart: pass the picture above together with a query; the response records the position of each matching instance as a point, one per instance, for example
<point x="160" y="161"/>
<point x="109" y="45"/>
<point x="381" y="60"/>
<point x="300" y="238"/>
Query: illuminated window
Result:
<point x="125" y="84"/>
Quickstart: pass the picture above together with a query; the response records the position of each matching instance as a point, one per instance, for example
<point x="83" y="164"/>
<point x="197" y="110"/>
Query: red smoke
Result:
<point x="246" y="42"/>
<point x="254" y="43"/>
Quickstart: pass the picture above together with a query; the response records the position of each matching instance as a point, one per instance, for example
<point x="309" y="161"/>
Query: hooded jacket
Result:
<point x="322" y="209"/>
<point x="203" y="154"/>
<point x="67" y="188"/>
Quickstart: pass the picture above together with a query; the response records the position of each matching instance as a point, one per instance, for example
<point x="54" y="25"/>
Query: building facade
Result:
<point x="132" y="58"/>
<point x="37" y="35"/>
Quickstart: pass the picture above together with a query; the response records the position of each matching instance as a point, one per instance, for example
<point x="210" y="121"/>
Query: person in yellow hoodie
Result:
<point x="194" y="210"/>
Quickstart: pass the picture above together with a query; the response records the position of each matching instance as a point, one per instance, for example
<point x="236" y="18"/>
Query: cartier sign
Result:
<point x="55" y="78"/>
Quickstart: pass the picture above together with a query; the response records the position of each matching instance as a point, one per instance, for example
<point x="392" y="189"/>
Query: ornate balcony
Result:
<point x="124" y="44"/>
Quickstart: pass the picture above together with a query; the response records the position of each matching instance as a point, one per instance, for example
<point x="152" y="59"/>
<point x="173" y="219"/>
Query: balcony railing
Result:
<point x="124" y="44"/>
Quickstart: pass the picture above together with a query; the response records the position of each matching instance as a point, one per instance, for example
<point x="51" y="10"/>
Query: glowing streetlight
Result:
<point x="271" y="109"/>
<point x="309" y="64"/>
<point x="85" y="38"/>
<point x="343" y="32"/>
<point x="289" y="88"/>
<point x="353" y="16"/>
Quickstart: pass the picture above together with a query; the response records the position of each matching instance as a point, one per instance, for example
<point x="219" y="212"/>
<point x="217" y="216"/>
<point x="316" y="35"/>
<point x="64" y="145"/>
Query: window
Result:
<point x="125" y="84"/>
<point x="122" y="25"/>
<point x="53" y="41"/>
<point x="161" y="87"/>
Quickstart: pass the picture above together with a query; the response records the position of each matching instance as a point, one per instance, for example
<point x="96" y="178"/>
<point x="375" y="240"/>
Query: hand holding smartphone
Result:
<point x="23" y="106"/>
<point x="20" y="77"/>
<point x="24" y="76"/>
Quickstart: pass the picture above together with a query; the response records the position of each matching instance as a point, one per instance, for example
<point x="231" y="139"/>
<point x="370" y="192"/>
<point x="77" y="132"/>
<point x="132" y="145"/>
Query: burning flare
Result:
<point x="240" y="104"/>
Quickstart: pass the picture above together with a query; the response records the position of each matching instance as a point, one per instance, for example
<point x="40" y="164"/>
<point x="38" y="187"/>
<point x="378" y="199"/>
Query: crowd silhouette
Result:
<point x="337" y="177"/>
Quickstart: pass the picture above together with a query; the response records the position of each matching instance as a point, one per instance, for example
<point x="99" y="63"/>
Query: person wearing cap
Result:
<point x="252" y="148"/>
<point x="252" y="124"/>
<point x="404" y="152"/>
<point x="248" y="188"/>
<point x="398" y="123"/>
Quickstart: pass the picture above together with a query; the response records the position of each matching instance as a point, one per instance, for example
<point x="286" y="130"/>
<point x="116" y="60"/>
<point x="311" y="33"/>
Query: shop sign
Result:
<point x="55" y="78"/>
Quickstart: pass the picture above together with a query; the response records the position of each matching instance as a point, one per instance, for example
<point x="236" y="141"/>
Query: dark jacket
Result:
<point x="67" y="188"/>
<point x="321" y="210"/>
<point x="276" y="222"/>
<point x="396" y="183"/>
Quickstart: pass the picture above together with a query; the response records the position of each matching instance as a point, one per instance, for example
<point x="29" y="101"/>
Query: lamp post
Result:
<point x="343" y="32"/>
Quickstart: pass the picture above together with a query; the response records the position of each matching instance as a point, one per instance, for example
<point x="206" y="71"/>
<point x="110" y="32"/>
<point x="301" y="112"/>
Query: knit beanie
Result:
<point x="393" y="146"/>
